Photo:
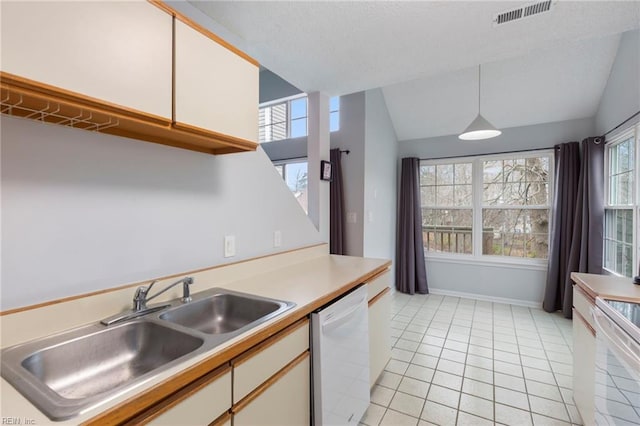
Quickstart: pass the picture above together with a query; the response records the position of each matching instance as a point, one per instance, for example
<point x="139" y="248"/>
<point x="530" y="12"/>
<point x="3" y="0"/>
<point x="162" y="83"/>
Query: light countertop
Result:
<point x="310" y="284"/>
<point x="607" y="286"/>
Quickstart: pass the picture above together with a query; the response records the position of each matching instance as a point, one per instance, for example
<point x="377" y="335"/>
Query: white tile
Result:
<point x="466" y="419"/>
<point x="429" y="350"/>
<point x="507" y="347"/>
<point x="480" y="361"/>
<point x="507" y="368"/>
<point x="512" y="416"/>
<point x="509" y="357"/>
<point x="416" y="328"/>
<point x="549" y="408"/>
<point x="426" y="423"/>
<point x="453" y="355"/>
<point x="512" y="398"/>
<point x="447" y="380"/>
<point x="444" y="396"/>
<point x="558" y="357"/>
<point x="533" y="352"/>
<point x="389" y="380"/>
<point x="407" y="404"/>
<point x="394" y="418"/>
<point x="373" y="415"/>
<point x="505" y="338"/>
<point x="450" y="367"/>
<point x="479" y="374"/>
<point x="564" y="381"/>
<point x="480" y="351"/>
<point x="479" y="389"/>
<point x="425" y="360"/>
<point x="381" y="395"/>
<point x="562" y="368"/>
<point x="395" y="366"/>
<point x="544" y="390"/>
<point x="434" y="341"/>
<point x="458" y="337"/>
<point x="406" y="344"/>
<point x="574" y="415"/>
<point x="478" y="406"/>
<point x="539" y="420"/>
<point x="539" y="375"/>
<point x="414" y="387"/>
<point x="567" y="396"/>
<point x="438" y="414"/>
<point x="541" y="364"/>
<point x="436" y="332"/>
<point x="456" y="345"/>
<point x="510" y="382"/>
<point x="412" y="335"/>
<point x="401" y="354"/>
<point x="419" y="372"/>
<point x="481" y="342"/>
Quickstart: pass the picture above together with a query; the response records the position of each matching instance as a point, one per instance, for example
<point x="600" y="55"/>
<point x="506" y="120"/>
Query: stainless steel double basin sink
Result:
<point x="67" y="374"/>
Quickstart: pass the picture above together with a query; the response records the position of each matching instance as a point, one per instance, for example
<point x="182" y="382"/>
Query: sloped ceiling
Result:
<point x="424" y="55"/>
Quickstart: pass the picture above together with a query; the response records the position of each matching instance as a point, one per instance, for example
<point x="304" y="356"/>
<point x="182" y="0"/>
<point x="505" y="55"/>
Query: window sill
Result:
<point x="490" y="261"/>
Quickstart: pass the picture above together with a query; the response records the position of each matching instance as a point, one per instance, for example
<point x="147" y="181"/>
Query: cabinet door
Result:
<point x="118" y="52"/>
<point x="201" y="407"/>
<point x="286" y="401"/>
<point x="379" y="335"/>
<point x="215" y="89"/>
<point x="584" y="364"/>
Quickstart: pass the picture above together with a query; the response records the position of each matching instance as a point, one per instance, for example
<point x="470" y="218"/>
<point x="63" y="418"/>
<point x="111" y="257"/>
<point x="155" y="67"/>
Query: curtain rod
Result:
<point x="489" y="153"/>
<point x="619" y="125"/>
<point x="345" y="151"/>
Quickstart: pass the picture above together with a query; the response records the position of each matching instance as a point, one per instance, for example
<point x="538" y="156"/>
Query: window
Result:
<point x="294" y="173"/>
<point x="286" y="119"/>
<point x="487" y="206"/>
<point x="622" y="213"/>
<point x="334" y="114"/>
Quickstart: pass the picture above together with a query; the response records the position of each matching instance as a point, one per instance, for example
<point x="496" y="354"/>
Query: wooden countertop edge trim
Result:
<point x="221" y="420"/>
<point x="139" y="283"/>
<point x="129" y="408"/>
<point x="185" y="20"/>
<point x="269" y="342"/>
<point x="584" y="291"/>
<point x="379" y="296"/>
<point x="584" y="321"/>
<point x="240" y="405"/>
<point x="584" y="287"/>
<point x="176" y="398"/>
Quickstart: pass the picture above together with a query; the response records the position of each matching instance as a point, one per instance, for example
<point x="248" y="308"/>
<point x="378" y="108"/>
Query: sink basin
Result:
<point x="65" y="373"/>
<point x="224" y="312"/>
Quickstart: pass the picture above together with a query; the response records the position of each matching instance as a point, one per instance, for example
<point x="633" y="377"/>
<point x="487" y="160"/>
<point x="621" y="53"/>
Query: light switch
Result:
<point x="277" y="238"/>
<point x="229" y="245"/>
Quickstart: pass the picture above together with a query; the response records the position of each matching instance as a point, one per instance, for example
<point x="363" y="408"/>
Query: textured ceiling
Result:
<point x="545" y="68"/>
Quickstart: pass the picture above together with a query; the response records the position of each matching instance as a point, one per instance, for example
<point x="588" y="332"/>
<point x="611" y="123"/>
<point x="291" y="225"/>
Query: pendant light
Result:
<point x="479" y="128"/>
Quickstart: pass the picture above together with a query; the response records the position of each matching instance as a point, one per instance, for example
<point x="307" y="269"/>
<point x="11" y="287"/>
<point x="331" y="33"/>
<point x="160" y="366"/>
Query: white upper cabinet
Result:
<point x="215" y="88"/>
<point x="118" y="52"/>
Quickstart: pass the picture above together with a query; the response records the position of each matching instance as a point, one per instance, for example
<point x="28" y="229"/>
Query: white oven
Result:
<point x="617" y="390"/>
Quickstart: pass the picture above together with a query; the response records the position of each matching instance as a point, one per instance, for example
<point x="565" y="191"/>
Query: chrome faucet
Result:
<point x="140" y="298"/>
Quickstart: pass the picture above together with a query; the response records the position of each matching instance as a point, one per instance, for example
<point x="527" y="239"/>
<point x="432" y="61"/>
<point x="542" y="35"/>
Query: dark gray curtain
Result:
<point x="336" y="202"/>
<point x="411" y="273"/>
<point x="566" y="176"/>
<point x="588" y="233"/>
<point x="585" y="250"/>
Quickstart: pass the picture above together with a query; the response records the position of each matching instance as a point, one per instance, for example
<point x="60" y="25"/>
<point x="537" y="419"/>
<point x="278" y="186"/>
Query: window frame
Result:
<point x="632" y="132"/>
<point x="477" y="257"/>
<point x="284" y="164"/>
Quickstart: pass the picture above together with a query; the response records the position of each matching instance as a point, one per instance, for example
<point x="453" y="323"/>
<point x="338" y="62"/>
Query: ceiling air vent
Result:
<point x="522" y="12"/>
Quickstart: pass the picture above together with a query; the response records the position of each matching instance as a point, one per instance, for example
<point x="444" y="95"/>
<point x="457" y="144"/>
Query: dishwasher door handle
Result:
<point x="344" y="317"/>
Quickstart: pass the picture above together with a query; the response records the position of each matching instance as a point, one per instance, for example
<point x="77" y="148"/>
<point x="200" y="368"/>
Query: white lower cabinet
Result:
<point x="202" y="406"/>
<point x="379" y="335"/>
<point x="285" y="401"/>
<point x="584" y="358"/>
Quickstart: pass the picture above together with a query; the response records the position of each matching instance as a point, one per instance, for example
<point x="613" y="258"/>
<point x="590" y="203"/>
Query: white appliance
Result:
<point x="617" y="390"/>
<point x="340" y="357"/>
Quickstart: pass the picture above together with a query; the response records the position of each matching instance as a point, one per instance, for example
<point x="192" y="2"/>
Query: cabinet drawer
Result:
<point x="583" y="305"/>
<point x="284" y="402"/>
<point x="378" y="284"/>
<point x="200" y="408"/>
<point x="257" y="365"/>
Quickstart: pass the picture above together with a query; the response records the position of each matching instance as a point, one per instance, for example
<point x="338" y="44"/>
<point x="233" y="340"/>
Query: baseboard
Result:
<point x="484" y="297"/>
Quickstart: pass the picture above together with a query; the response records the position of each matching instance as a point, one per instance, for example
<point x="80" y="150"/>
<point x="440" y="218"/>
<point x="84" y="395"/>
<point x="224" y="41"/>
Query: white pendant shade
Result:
<point x="479" y="128"/>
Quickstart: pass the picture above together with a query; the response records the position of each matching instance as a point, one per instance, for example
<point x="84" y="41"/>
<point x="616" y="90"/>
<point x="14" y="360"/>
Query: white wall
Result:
<point x="351" y="136"/>
<point x="380" y="192"/>
<point x="621" y="97"/>
<point x="83" y="211"/>
<point x="495" y="281"/>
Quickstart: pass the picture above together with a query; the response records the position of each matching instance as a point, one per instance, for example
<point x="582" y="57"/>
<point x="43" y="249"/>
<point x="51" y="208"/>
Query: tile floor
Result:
<point x="459" y="361"/>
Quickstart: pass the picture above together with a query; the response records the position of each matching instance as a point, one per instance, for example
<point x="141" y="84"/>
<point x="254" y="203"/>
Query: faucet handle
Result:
<point x="140" y="296"/>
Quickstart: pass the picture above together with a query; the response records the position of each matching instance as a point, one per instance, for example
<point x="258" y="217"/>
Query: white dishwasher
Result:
<point x="340" y="357"/>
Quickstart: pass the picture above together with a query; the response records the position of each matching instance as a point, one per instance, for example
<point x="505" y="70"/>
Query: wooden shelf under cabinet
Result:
<point x="21" y="97"/>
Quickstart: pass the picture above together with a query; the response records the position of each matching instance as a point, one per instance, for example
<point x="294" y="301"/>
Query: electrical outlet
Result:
<point x="229" y="245"/>
<point x="277" y="238"/>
